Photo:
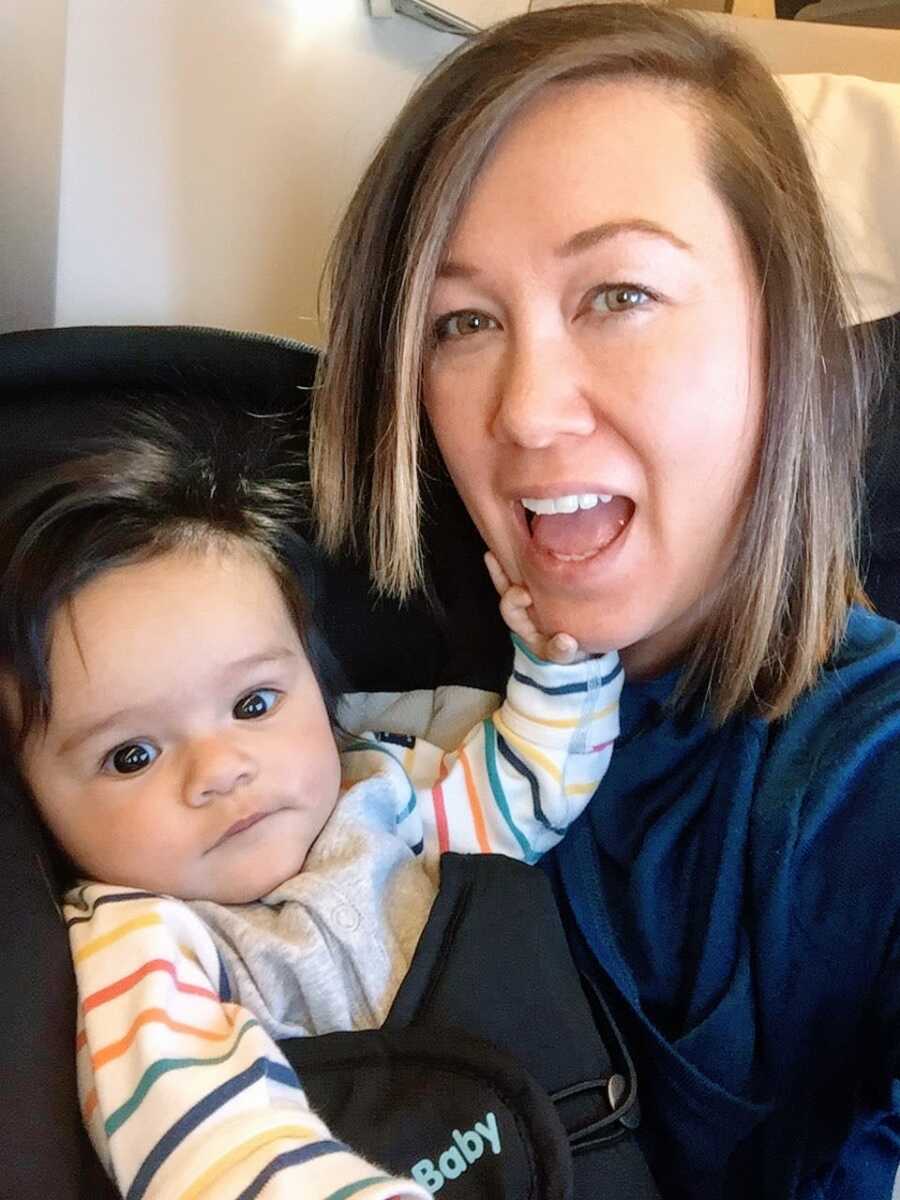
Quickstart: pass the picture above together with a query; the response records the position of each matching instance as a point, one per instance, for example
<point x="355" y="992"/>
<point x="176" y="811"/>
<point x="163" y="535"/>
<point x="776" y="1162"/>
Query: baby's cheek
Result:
<point x="328" y="780"/>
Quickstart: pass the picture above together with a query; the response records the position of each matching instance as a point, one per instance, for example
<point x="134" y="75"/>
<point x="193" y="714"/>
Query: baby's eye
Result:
<point x="462" y="324"/>
<point x="130" y="758"/>
<point x="256" y="704"/>
<point x="619" y="298"/>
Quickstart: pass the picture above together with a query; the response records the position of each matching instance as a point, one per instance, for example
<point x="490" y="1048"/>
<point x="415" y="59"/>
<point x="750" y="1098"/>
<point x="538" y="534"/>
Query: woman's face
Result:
<point x="599" y="347"/>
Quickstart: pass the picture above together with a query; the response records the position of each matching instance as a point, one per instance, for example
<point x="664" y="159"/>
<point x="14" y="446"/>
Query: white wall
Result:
<point x="209" y="147"/>
<point x="32" y="47"/>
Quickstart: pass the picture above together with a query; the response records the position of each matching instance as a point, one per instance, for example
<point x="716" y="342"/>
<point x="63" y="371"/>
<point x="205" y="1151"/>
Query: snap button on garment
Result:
<point x="346" y="917"/>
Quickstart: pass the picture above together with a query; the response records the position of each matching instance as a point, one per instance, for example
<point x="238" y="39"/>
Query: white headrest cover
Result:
<point x="852" y="127"/>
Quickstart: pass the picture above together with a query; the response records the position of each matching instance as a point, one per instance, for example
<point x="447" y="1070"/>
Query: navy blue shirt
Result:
<point x="740" y="887"/>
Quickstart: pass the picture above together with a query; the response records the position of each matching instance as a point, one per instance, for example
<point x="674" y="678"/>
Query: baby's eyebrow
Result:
<point x="273" y="654"/>
<point x="122" y="716"/>
<point x="86" y="733"/>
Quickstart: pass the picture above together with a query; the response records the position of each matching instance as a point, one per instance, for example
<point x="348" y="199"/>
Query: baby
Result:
<point x="262" y="874"/>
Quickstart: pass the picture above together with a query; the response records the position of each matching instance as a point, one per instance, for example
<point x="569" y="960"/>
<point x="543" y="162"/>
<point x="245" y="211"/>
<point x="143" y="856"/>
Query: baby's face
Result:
<point x="189" y="750"/>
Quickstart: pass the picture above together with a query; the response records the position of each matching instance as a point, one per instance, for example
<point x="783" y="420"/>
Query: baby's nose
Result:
<point x="218" y="767"/>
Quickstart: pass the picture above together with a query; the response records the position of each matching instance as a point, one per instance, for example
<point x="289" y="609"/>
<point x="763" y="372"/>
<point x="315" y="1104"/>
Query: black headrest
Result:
<point x="54" y="382"/>
<point x="58" y="385"/>
<point x="881" y="527"/>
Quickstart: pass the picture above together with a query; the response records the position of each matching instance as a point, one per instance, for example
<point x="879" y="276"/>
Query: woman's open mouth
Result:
<point x="575" y="526"/>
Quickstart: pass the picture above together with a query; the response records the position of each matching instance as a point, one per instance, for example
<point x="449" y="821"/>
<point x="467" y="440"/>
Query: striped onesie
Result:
<point x="183" y="1089"/>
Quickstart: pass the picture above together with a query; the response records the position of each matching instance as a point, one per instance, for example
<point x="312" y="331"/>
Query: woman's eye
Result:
<point x="256" y="704"/>
<point x="619" y="298"/>
<point x="462" y="324"/>
<point x="130" y="758"/>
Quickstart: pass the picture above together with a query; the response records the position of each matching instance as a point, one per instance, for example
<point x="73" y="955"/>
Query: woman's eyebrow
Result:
<point x="586" y="239"/>
<point x="449" y="269"/>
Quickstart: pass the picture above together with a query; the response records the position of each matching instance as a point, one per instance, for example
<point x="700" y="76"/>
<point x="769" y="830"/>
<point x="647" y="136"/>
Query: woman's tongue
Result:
<point x="581" y="534"/>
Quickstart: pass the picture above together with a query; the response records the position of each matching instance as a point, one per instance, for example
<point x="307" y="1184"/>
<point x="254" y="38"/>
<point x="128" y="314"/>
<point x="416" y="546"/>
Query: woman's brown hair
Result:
<point x="783" y="605"/>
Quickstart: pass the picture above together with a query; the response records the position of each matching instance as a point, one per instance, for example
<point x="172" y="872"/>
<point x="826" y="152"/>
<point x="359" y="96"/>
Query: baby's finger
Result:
<point x="514" y="605"/>
<point x="562" y="648"/>
<point x="514" y="601"/>
<point x="499" y="578"/>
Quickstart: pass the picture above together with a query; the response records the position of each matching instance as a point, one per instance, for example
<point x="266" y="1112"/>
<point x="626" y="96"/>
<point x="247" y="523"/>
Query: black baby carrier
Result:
<point x="497" y="1072"/>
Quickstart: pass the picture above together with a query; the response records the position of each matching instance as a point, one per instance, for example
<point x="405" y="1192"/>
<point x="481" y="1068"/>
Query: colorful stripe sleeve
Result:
<point x="520" y="778"/>
<point x="184" y="1094"/>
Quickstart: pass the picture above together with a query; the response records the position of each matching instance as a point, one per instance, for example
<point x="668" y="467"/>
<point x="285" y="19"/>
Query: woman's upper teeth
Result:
<point x="566" y="504"/>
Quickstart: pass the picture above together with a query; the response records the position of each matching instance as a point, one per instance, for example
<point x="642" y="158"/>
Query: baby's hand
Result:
<point x="515" y="603"/>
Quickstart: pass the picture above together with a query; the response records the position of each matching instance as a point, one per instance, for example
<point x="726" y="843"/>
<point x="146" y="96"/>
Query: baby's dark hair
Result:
<point x="152" y="483"/>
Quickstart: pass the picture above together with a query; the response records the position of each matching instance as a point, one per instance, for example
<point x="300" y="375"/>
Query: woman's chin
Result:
<point x="596" y="628"/>
<point x="649" y="641"/>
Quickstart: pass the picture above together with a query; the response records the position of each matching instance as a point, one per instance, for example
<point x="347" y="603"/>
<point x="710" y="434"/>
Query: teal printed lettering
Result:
<point x="451" y="1164"/>
<point x="489" y="1131"/>
<point x="424" y="1173"/>
<point x="470" y="1143"/>
<point x="468" y="1146"/>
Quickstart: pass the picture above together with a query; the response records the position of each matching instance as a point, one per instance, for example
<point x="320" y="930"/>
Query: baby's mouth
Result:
<point x="240" y="826"/>
<point x="575" y="527"/>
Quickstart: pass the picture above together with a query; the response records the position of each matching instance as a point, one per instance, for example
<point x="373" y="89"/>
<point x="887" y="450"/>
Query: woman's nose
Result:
<point x="217" y="767"/>
<point x="542" y="395"/>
